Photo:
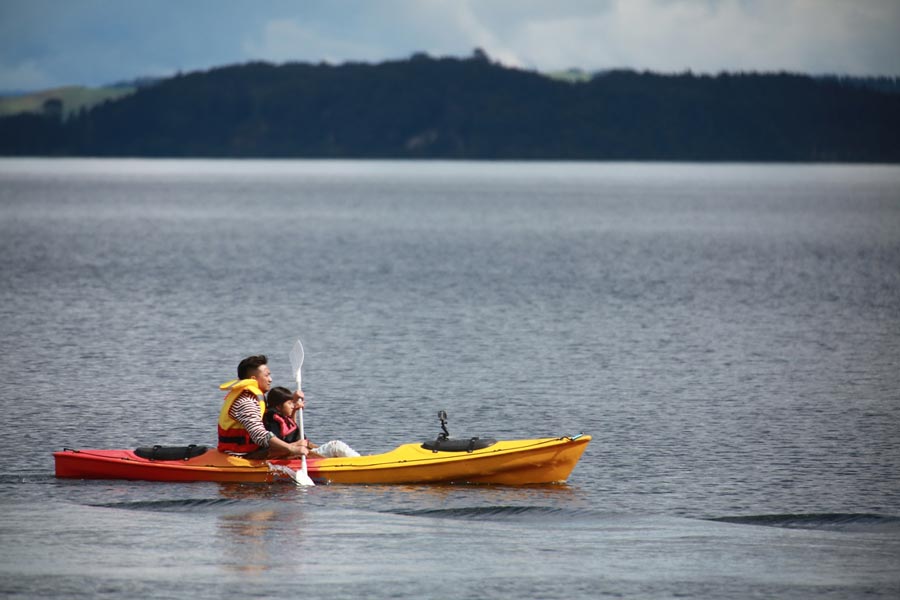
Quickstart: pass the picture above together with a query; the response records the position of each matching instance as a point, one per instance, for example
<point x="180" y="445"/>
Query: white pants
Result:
<point x="334" y="449"/>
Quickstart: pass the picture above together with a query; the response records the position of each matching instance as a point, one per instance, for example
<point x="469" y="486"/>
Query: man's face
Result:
<point x="263" y="378"/>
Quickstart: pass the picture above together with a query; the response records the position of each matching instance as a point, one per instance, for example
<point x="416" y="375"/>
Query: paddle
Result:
<point x="296" y="362"/>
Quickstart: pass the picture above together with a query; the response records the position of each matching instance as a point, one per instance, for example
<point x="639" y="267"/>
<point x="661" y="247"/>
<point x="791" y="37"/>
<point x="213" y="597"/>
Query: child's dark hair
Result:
<point x="249" y="365"/>
<point x="278" y="396"/>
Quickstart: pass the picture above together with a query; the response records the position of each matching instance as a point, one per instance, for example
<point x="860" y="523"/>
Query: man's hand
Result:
<point x="300" y="448"/>
<point x="281" y="449"/>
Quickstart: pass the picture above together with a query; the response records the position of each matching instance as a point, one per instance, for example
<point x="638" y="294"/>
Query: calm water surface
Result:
<point x="729" y="334"/>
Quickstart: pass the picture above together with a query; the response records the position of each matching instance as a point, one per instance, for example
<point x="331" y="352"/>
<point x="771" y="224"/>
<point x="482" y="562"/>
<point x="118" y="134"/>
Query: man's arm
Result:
<point x="245" y="410"/>
<point x="278" y="448"/>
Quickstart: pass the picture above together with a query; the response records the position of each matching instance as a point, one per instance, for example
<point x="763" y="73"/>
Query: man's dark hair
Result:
<point x="249" y="365"/>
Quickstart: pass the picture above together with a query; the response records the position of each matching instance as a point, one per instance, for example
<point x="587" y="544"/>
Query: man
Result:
<point x="241" y="428"/>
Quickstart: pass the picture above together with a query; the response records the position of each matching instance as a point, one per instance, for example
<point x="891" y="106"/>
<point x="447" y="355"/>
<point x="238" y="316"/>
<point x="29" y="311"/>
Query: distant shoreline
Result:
<point x="472" y="109"/>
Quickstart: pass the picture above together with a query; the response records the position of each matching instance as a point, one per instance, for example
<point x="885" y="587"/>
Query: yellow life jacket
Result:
<point x="233" y="437"/>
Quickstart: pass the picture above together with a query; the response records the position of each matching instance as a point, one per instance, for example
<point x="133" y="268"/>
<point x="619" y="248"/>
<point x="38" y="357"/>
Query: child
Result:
<point x="279" y="419"/>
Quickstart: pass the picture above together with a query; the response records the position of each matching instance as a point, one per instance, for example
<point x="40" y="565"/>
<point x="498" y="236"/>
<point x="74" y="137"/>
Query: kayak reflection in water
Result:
<point x="280" y="419"/>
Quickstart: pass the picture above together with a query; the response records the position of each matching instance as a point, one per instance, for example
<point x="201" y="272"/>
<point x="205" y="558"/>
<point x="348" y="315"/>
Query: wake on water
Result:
<point x="818" y="521"/>
<point x="815" y="521"/>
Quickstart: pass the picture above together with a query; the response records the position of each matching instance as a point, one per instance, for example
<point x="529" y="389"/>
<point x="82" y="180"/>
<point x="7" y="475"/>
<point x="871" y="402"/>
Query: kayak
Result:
<point x="478" y="461"/>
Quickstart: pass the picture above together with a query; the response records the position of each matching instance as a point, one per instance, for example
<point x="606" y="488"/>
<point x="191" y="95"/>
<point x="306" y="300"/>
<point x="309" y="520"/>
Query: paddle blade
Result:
<point x="302" y="477"/>
<point x="299" y="477"/>
<point x="297" y="361"/>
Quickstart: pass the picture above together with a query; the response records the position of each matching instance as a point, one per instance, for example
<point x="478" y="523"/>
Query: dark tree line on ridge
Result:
<point x="472" y="108"/>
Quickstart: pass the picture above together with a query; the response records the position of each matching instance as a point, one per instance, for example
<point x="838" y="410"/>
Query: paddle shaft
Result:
<point x="302" y="433"/>
<point x="297" y="363"/>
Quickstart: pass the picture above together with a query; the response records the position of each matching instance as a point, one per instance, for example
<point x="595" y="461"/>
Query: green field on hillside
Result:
<point x="73" y="99"/>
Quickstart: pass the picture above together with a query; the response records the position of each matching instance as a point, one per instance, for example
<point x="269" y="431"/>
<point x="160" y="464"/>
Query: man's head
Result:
<point x="255" y="367"/>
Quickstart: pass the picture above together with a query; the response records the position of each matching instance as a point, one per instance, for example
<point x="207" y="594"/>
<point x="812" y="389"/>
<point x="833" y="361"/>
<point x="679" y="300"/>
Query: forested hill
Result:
<point x="475" y="109"/>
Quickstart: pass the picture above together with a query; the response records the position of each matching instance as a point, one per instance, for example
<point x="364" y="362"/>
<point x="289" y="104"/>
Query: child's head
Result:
<point x="281" y="400"/>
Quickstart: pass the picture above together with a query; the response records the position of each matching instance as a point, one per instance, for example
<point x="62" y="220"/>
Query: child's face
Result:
<point x="286" y="409"/>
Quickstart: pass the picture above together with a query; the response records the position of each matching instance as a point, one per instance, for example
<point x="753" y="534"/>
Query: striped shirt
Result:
<point x="245" y="410"/>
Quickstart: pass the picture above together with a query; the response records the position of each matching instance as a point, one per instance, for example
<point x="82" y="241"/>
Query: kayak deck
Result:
<point x="516" y="462"/>
<point x="512" y="462"/>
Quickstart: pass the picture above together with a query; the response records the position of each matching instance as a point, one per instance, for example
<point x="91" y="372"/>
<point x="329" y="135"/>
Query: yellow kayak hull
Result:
<point x="514" y="462"/>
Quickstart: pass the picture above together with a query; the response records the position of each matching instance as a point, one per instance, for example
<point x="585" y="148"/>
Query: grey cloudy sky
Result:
<point x="48" y="43"/>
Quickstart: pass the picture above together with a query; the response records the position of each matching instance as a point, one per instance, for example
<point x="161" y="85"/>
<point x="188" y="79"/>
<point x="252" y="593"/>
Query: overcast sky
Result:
<point x="49" y="43"/>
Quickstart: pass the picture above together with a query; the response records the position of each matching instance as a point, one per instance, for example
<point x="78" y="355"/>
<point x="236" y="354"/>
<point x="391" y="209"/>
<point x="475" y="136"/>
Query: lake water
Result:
<point x="728" y="334"/>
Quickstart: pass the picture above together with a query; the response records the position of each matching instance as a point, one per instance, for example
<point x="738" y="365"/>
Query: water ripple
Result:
<point x="176" y="505"/>
<point x="491" y="513"/>
<point x="822" y="521"/>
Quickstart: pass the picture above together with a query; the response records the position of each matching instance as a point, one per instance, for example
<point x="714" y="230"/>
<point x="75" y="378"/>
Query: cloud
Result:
<point x="468" y="29"/>
<point x="386" y="30"/>
<point x="675" y="35"/>
<point x="24" y="76"/>
<point x="284" y="40"/>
